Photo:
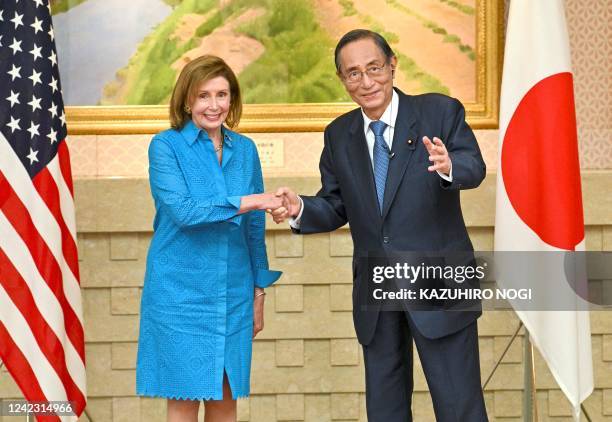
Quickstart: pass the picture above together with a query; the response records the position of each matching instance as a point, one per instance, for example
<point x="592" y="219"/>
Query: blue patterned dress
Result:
<point x="204" y="260"/>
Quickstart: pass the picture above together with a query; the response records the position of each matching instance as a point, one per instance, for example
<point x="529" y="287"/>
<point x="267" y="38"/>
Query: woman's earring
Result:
<point x="187" y="109"/>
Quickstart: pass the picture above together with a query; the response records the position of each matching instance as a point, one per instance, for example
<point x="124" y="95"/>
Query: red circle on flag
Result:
<point x="540" y="166"/>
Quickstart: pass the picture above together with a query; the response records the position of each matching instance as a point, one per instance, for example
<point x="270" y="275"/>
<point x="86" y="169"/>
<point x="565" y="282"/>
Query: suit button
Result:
<point x="386" y="239"/>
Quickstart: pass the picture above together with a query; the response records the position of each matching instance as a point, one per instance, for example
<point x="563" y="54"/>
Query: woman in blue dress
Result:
<point x="202" y="301"/>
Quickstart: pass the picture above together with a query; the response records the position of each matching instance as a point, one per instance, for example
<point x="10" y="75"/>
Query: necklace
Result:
<point x="219" y="148"/>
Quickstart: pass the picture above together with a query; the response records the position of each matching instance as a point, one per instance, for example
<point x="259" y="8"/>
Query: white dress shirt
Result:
<point x="388" y="117"/>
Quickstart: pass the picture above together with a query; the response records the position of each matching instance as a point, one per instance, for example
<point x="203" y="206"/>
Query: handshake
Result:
<point x="281" y="205"/>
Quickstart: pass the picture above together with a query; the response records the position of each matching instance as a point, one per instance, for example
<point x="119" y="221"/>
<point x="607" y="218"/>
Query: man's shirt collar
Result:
<point x="389" y="116"/>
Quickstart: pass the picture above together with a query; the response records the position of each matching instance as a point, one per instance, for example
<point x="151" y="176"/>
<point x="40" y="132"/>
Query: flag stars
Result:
<point x="62" y="117"/>
<point x="39" y="3"/>
<point x="37" y="25"/>
<point x="35" y="103"/>
<point x="14" y="72"/>
<point x="35" y="78"/>
<point x="35" y="52"/>
<point x="53" y="109"/>
<point x="53" y="84"/>
<point x="52" y="136"/>
<point x="15" y="46"/>
<point x="33" y="130"/>
<point x="17" y="20"/>
<point x="32" y="156"/>
<point x="14" y="124"/>
<point x="53" y="58"/>
<point x="51" y="33"/>
<point x="13" y="98"/>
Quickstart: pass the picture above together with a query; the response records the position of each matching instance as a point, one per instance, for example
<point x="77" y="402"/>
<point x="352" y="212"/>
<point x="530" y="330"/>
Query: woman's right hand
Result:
<point x="260" y="201"/>
<point x="270" y="201"/>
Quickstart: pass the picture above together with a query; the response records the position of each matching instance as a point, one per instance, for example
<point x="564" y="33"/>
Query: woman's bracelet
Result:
<point x="262" y="293"/>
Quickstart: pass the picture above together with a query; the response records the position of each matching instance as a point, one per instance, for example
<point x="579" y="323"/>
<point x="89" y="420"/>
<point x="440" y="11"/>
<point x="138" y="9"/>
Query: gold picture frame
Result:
<point x="483" y="113"/>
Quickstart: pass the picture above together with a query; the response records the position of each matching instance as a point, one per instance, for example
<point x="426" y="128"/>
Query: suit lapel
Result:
<point x="362" y="166"/>
<point x="402" y="149"/>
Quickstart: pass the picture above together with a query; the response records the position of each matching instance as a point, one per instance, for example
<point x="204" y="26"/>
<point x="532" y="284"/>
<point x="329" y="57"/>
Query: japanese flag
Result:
<point x="539" y="200"/>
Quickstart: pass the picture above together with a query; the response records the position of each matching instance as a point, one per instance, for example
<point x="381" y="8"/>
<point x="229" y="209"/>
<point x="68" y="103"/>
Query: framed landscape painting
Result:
<point x="119" y="60"/>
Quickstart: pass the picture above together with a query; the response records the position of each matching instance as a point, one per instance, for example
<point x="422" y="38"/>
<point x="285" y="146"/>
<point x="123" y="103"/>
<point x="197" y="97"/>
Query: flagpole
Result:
<point x="530" y="406"/>
<point x="499" y="360"/>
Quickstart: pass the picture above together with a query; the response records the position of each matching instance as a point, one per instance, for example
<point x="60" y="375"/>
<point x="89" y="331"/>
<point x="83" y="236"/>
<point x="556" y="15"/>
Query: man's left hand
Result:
<point x="438" y="155"/>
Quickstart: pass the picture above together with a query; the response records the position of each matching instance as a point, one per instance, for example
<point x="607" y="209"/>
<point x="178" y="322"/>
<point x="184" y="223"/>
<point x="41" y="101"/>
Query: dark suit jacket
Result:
<point x="421" y="211"/>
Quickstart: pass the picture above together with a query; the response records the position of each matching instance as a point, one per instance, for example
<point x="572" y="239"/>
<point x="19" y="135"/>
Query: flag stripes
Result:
<point x="42" y="341"/>
<point x="39" y="279"/>
<point x="42" y="261"/>
<point x="47" y="338"/>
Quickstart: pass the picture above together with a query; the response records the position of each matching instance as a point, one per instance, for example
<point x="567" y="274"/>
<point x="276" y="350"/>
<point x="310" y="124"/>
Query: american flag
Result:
<point x="41" y="326"/>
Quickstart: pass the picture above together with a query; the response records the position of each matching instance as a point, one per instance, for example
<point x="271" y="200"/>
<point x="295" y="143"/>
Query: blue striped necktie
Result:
<point x="381" y="160"/>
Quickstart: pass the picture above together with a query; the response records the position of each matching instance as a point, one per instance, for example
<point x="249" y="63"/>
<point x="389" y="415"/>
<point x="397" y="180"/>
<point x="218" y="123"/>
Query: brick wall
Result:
<point x="307" y="364"/>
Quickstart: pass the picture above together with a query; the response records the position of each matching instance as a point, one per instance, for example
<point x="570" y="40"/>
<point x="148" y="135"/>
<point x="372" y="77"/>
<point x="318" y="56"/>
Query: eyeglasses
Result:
<point x="374" y="72"/>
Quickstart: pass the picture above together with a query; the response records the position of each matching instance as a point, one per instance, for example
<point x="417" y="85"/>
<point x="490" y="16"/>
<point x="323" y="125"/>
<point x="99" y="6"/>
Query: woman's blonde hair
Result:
<point x="193" y="74"/>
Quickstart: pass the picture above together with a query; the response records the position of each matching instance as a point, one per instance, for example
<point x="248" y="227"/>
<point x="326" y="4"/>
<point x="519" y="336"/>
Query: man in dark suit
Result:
<point x="399" y="194"/>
